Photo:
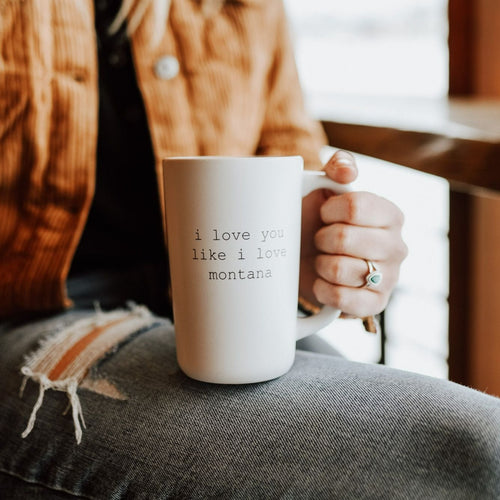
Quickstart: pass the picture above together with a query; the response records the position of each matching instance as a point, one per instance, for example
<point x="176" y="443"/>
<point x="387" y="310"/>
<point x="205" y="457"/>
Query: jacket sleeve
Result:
<point x="287" y="129"/>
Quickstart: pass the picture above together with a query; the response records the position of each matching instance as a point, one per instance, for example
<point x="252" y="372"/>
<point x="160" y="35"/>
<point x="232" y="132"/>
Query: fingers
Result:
<point x="361" y="209"/>
<point x="357" y="302"/>
<point x="361" y="242"/>
<point x="345" y="271"/>
<point x="358" y="226"/>
<point x="341" y="270"/>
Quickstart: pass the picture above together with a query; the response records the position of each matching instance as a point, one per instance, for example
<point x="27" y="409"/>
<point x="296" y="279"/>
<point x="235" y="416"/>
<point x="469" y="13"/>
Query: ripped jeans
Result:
<point x="330" y="428"/>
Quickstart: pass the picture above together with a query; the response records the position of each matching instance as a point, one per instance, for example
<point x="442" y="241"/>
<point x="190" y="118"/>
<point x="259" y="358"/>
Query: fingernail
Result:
<point x="343" y="158"/>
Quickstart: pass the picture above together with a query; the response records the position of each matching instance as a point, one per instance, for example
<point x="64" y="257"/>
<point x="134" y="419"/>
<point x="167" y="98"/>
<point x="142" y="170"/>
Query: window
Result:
<point x="371" y="48"/>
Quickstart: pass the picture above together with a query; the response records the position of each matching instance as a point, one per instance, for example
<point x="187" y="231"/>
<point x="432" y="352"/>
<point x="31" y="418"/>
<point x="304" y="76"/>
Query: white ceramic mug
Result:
<point x="233" y="229"/>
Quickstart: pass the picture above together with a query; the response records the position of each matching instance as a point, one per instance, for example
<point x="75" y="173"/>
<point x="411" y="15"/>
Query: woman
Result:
<point x="88" y="111"/>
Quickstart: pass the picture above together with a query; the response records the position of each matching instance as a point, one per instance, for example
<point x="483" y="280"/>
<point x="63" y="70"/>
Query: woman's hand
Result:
<point x="339" y="233"/>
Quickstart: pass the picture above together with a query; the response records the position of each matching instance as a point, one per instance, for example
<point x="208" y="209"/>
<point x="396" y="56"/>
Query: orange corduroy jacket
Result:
<point x="236" y="93"/>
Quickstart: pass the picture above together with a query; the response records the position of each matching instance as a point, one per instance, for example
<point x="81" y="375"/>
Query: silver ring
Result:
<point x="374" y="276"/>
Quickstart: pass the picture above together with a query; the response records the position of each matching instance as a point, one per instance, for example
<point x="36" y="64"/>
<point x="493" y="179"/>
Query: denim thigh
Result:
<point x="330" y="428"/>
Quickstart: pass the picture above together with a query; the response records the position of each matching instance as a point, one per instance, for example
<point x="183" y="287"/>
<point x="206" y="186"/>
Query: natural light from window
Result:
<point x="371" y="48"/>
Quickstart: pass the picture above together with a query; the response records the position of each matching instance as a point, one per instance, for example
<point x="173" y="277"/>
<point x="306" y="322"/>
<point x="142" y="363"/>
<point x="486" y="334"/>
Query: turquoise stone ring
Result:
<point x="374" y="276"/>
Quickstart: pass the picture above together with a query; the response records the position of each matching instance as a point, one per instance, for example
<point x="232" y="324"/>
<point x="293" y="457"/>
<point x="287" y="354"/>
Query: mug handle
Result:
<point x="312" y="180"/>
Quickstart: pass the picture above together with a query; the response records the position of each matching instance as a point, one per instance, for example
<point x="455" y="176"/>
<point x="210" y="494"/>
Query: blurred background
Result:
<point x="416" y="83"/>
<point x="365" y="48"/>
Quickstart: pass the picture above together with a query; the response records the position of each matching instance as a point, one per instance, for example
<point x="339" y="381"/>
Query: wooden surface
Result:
<point x="460" y="40"/>
<point x="484" y="341"/>
<point x="474" y="47"/>
<point x="455" y="139"/>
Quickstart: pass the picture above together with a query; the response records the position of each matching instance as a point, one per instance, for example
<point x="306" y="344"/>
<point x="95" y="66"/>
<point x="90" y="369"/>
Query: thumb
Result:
<point x="341" y="167"/>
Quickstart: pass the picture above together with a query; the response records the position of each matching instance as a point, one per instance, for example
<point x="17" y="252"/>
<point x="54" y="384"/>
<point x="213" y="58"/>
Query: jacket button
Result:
<point x="167" y="67"/>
